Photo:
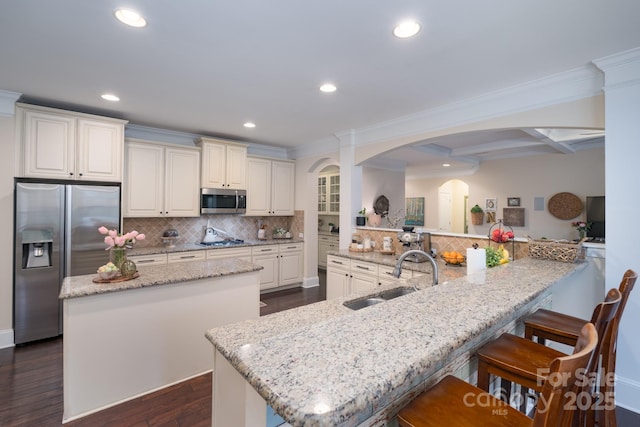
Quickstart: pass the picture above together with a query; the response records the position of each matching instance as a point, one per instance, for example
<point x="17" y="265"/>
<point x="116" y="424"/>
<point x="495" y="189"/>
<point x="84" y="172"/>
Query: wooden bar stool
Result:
<point x="521" y="361"/>
<point x="558" y="327"/>
<point x="453" y="402"/>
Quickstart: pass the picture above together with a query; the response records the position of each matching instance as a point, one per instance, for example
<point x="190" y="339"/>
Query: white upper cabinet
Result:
<point x="270" y="187"/>
<point x="329" y="194"/>
<point x="224" y="164"/>
<point x="59" y="144"/>
<point x="161" y="180"/>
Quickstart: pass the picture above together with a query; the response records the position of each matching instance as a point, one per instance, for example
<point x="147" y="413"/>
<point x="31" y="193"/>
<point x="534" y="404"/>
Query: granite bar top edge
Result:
<point x="157" y="275"/>
<point x="261" y="349"/>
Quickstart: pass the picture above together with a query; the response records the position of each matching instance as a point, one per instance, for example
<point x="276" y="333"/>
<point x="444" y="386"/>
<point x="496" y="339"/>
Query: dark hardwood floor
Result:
<point x="31" y="385"/>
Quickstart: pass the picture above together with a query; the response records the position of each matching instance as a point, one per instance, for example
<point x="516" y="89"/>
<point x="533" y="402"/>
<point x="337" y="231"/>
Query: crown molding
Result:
<point x="559" y="88"/>
<point x="8" y="103"/>
<point x="620" y="69"/>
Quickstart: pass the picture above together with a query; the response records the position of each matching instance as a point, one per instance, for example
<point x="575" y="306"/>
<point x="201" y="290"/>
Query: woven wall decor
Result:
<point x="565" y="205"/>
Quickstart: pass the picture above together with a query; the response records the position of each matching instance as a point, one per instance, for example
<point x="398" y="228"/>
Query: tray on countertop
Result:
<point x="115" y="279"/>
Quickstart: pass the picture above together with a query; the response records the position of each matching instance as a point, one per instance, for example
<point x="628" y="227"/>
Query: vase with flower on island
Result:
<point x="117" y="245"/>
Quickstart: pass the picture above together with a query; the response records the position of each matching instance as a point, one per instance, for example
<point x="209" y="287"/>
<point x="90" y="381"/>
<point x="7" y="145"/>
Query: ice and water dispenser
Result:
<point x="36" y="248"/>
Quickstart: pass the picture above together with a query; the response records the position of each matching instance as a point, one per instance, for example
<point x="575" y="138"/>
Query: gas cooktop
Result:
<point x="226" y="242"/>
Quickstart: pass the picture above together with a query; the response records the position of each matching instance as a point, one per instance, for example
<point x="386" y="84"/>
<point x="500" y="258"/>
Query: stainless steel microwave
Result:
<point x="223" y="201"/>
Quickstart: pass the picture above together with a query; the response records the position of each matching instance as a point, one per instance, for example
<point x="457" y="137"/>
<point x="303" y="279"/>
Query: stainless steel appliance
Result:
<point x="415" y="241"/>
<point x="56" y="235"/>
<point x="223" y="201"/>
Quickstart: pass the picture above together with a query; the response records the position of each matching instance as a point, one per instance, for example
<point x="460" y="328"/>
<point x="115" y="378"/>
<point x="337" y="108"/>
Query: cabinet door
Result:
<point x="334" y="194"/>
<point x="337" y="283"/>
<point x="182" y="175"/>
<point x="99" y="150"/>
<point x="269" y="276"/>
<point x="143" y="194"/>
<point x="236" y="177"/>
<point x="282" y="188"/>
<point x="214" y="159"/>
<point x="258" y="187"/>
<point x="322" y="194"/>
<point x="362" y="282"/>
<point x="290" y="268"/>
<point x="49" y="145"/>
<point x="324" y="246"/>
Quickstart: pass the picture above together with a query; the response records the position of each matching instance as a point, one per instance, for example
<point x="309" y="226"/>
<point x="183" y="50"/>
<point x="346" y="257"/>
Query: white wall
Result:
<point x="6" y="227"/>
<point x="622" y="89"/>
<point x="581" y="173"/>
<point x="378" y="182"/>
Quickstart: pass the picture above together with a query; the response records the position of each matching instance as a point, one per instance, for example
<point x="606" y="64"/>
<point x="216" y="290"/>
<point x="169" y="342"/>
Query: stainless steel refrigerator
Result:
<point x="56" y="235"/>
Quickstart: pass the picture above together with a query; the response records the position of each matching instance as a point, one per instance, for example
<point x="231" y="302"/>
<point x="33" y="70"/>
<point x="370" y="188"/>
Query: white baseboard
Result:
<point x="311" y="282"/>
<point x="628" y="394"/>
<point x="6" y="338"/>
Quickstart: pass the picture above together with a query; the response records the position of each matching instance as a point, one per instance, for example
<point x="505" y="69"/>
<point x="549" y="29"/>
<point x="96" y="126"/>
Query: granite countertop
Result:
<point x="195" y="246"/>
<point x="155" y="275"/>
<point x="325" y="365"/>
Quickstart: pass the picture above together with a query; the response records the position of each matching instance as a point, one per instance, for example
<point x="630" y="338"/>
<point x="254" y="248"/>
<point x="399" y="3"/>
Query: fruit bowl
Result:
<point x="454" y="258"/>
<point x="108" y="275"/>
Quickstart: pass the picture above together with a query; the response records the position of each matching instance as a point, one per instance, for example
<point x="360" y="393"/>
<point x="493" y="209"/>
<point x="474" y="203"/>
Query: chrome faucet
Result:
<point x="397" y="271"/>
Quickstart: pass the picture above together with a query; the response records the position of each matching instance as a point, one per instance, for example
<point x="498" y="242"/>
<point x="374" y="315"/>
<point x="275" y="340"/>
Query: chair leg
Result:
<point x="483" y="376"/>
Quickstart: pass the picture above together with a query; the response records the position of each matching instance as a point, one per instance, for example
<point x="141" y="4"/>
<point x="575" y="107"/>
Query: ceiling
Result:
<point x="207" y="67"/>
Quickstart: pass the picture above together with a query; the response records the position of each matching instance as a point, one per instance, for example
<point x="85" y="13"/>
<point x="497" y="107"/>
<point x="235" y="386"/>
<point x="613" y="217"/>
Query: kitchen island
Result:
<point x="327" y="365"/>
<point x="129" y="338"/>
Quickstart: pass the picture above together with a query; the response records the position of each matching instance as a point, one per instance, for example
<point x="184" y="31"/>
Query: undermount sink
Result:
<point x="359" y="303"/>
<point x="395" y="293"/>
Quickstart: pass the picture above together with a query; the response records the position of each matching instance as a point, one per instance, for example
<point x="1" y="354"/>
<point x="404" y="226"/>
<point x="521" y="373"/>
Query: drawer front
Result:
<point x="155" y="259"/>
<point x="291" y="247"/>
<point x="264" y="250"/>
<point x="185" y="256"/>
<point x="337" y="262"/>
<point x="364" y="267"/>
<point x="386" y="272"/>
<point x="244" y="253"/>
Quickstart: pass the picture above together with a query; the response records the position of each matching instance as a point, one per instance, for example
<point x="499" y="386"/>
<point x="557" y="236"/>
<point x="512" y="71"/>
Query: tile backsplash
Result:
<point x="191" y="230"/>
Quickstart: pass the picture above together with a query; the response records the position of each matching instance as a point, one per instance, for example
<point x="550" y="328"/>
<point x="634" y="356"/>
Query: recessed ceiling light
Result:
<point x="249" y="125"/>
<point x="130" y="17"/>
<point x="406" y="29"/>
<point x="110" y="97"/>
<point x="446" y="165"/>
<point x="328" y="88"/>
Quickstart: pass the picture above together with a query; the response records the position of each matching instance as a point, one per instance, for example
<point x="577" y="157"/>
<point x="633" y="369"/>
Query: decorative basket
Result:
<point x="555" y="251"/>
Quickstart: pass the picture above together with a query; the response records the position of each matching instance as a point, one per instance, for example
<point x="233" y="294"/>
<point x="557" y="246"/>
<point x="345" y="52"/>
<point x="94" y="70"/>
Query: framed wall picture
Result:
<point x="513" y="217"/>
<point x="513" y="201"/>
<point x="414" y="208"/>
<point x="490" y="205"/>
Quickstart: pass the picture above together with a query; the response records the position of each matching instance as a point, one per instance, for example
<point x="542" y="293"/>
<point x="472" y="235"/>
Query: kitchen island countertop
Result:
<point x="326" y="365"/>
<point x="156" y="275"/>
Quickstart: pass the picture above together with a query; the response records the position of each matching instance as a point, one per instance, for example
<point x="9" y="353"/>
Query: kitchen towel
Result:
<point x="476" y="260"/>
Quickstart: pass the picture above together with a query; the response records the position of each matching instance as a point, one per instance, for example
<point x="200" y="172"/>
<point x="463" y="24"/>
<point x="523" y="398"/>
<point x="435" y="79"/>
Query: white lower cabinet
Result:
<point x="345" y="276"/>
<point x="243" y="253"/>
<point x="282" y="264"/>
<point x="267" y="257"/>
<point x="326" y="244"/>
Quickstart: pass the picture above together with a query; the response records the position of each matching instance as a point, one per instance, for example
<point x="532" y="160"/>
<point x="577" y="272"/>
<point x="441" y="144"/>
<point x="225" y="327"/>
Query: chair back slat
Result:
<point x="553" y="407"/>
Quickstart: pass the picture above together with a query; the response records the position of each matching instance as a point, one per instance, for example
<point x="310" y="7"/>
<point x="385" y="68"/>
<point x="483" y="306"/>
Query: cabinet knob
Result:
<point x="70" y="173"/>
<point x="80" y="174"/>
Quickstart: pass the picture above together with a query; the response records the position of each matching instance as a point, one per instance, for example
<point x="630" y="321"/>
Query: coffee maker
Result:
<point x="411" y="240"/>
